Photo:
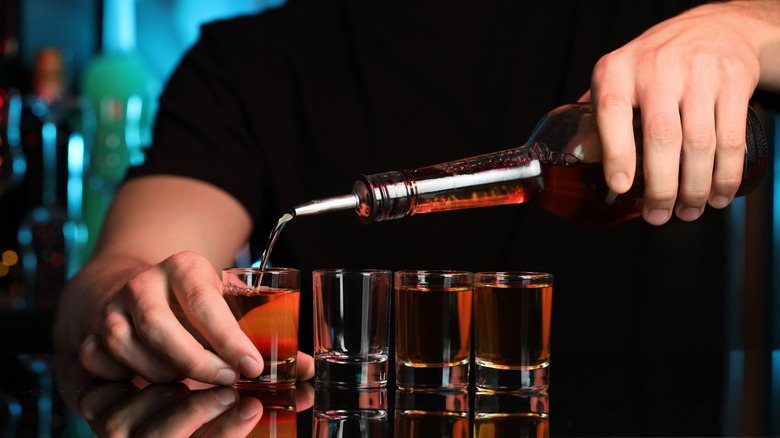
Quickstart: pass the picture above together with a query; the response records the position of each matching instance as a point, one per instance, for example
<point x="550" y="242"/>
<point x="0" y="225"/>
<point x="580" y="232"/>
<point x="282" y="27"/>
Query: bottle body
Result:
<point x="117" y="84"/>
<point x="560" y="168"/>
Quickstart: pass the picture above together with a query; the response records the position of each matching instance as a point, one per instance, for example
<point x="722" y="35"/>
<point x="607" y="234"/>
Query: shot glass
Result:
<point x="433" y="329"/>
<point x="348" y="412"/>
<point x="265" y="303"/>
<point x="508" y="415"/>
<point x="512" y="312"/>
<point x="432" y="414"/>
<point x="351" y="327"/>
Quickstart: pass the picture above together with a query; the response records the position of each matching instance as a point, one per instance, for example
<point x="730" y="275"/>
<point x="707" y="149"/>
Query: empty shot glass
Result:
<point x="433" y="329"/>
<point x="351" y="327"/>
<point x="265" y="303"/>
<point x="512" y="312"/>
<point x="350" y="412"/>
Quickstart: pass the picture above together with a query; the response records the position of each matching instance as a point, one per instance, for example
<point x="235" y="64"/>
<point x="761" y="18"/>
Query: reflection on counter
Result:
<point x="52" y="396"/>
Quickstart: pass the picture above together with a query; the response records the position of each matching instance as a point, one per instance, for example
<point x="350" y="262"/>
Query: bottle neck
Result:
<point x="118" y="26"/>
<point x="512" y="176"/>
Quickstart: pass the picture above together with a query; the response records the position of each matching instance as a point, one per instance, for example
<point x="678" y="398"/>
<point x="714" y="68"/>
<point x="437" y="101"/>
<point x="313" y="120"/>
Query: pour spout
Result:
<point x="317" y="206"/>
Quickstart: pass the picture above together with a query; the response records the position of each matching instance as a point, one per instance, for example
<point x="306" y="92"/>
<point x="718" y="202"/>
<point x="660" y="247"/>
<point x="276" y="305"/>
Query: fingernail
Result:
<point x="226" y="396"/>
<point x="247" y="411"/>
<point x="619" y="181"/>
<point x="719" y="201"/>
<point x="657" y="216"/>
<point x="226" y="376"/>
<point x="250" y="367"/>
<point x="689" y="213"/>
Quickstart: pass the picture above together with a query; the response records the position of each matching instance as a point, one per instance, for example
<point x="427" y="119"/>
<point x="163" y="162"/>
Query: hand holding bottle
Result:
<point x="692" y="77"/>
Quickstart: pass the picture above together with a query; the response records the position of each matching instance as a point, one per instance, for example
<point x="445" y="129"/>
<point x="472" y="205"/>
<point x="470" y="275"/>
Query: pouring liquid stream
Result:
<point x="275" y="231"/>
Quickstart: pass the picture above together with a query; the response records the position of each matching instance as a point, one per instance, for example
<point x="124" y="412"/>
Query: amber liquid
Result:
<point x="270" y="320"/>
<point x="580" y="194"/>
<point x="575" y="191"/>
<point x="512" y="325"/>
<point x="433" y="326"/>
<point x="423" y="424"/>
<point x="280" y="417"/>
<point x="511" y="425"/>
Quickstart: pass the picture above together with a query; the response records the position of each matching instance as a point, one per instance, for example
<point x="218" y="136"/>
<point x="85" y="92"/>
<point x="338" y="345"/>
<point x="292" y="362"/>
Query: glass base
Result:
<point x="514" y="379"/>
<point x="432" y="378"/>
<point x="368" y="372"/>
<point x="274" y="374"/>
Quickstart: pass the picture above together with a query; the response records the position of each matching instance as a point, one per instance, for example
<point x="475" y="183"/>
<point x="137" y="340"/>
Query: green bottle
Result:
<point x="118" y="87"/>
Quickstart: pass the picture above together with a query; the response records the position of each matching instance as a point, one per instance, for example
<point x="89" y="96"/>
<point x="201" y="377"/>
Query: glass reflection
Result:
<point x="350" y="412"/>
<point x="428" y="414"/>
<point x="504" y="415"/>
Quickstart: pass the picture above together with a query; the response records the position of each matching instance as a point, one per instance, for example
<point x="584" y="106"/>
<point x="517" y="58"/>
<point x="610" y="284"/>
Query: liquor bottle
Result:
<point x="41" y="239"/>
<point x="117" y="83"/>
<point x="559" y="167"/>
<point x="12" y="159"/>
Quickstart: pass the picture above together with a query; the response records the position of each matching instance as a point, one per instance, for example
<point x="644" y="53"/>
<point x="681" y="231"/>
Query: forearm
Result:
<point x="761" y="26"/>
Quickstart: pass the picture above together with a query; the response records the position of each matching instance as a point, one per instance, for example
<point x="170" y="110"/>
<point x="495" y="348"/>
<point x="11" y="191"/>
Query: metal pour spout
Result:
<point x="317" y="206"/>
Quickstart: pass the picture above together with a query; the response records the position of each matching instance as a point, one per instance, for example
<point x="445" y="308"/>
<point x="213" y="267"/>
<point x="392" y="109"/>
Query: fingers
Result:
<point x="198" y="289"/>
<point x="304" y="366"/>
<point x="95" y="360"/>
<point x="112" y="415"/>
<point x="691" y="77"/>
<point x="730" y="151"/>
<point x="140" y="333"/>
<point x="304" y="396"/>
<point x="169" y="410"/>
<point x="613" y="103"/>
<point x="240" y="420"/>
<point x="198" y="411"/>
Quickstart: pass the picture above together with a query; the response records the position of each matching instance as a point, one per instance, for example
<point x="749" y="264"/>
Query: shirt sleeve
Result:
<point x="202" y="129"/>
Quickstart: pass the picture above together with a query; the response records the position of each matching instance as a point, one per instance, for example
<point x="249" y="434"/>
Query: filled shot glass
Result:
<point x="351" y="327"/>
<point x="433" y="329"/>
<point x="512" y="312"/>
<point x="265" y="304"/>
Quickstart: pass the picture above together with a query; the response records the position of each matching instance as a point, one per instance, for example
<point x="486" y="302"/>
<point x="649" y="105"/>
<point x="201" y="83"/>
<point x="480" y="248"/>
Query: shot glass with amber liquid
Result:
<point x="265" y="303"/>
<point x="512" y="312"/>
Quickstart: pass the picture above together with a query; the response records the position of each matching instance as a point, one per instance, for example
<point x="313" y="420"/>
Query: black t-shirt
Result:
<point x="294" y="103"/>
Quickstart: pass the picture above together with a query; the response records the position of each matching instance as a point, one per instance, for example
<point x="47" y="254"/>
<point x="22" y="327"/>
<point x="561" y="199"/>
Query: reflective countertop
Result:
<point x="592" y="393"/>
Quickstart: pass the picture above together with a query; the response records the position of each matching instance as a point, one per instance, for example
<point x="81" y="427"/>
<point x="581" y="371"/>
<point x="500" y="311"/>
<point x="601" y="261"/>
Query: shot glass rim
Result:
<point x="279" y="270"/>
<point x="358" y="271"/>
<point x="535" y="276"/>
<point x="280" y="274"/>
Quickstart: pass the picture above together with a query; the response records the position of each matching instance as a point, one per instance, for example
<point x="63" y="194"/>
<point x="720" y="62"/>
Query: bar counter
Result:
<point x="592" y="393"/>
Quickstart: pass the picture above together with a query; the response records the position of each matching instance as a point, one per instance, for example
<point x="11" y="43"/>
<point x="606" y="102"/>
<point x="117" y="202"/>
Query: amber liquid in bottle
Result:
<point x="559" y="167"/>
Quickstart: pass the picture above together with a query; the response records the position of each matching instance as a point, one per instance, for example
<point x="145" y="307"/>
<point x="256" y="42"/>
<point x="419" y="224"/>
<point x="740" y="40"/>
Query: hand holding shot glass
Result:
<point x="512" y="312"/>
<point x="265" y="304"/>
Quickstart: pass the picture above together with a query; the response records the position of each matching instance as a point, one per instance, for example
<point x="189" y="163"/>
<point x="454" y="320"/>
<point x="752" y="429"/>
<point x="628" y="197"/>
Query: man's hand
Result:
<point x="691" y="77"/>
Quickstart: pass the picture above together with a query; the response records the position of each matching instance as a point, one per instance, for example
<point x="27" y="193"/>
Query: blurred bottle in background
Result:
<point x="118" y="85"/>
<point x="49" y="239"/>
<point x="13" y="165"/>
